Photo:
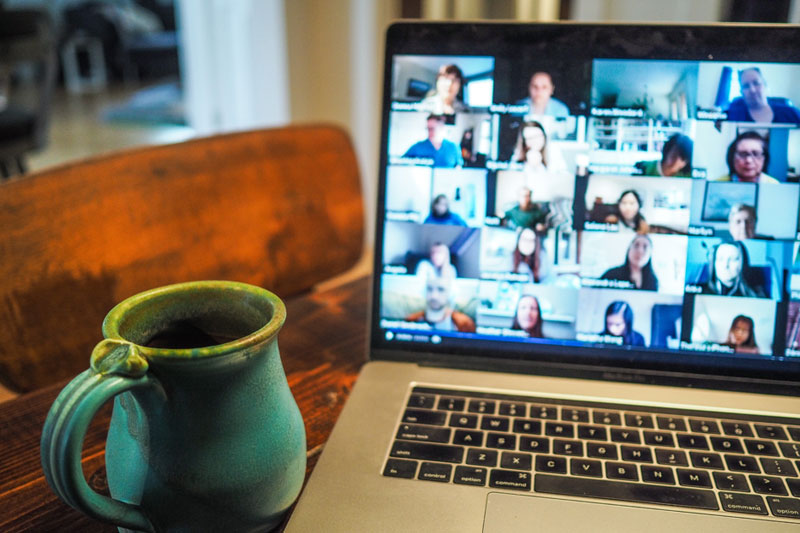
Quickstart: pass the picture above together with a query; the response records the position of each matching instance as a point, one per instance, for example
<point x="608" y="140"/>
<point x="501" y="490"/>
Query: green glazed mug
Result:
<point x="205" y="434"/>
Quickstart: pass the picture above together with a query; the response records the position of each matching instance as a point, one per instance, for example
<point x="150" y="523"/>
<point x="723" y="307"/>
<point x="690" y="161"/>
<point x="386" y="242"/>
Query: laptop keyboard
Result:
<point x="693" y="459"/>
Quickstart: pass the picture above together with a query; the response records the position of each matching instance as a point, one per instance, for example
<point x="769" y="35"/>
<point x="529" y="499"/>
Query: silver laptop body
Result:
<point x="585" y="312"/>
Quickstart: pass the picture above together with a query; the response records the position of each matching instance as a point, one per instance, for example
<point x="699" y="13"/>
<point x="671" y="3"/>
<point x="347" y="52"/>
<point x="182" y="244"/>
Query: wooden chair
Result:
<point x="278" y="208"/>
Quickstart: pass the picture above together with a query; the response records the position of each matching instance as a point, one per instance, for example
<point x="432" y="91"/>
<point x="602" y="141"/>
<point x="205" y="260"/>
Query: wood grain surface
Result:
<point x="322" y="347"/>
<point x="279" y="208"/>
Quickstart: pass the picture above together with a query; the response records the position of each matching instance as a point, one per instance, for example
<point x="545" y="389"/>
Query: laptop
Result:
<point x="586" y="301"/>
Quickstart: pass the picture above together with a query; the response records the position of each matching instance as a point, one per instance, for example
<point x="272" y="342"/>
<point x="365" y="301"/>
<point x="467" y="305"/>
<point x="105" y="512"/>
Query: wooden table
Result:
<point x="322" y="346"/>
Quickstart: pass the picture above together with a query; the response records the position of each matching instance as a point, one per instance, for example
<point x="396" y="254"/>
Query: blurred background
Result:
<point x="83" y="77"/>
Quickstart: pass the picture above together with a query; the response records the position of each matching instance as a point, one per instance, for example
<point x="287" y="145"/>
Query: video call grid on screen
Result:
<point x="647" y="204"/>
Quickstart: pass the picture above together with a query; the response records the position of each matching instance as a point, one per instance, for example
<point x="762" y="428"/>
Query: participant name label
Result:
<point x="617" y="112"/>
<point x="607" y="283"/>
<point x="598" y="337"/>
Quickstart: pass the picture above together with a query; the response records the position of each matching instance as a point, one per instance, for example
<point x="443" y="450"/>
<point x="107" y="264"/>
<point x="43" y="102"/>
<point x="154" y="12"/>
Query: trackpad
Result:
<point x="511" y="512"/>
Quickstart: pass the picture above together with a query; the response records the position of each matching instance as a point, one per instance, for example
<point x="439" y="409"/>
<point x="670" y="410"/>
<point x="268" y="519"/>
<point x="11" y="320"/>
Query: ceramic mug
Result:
<point x="205" y="434"/>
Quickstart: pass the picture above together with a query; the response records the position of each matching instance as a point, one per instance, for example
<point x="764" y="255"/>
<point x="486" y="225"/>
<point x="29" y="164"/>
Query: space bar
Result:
<point x="629" y="492"/>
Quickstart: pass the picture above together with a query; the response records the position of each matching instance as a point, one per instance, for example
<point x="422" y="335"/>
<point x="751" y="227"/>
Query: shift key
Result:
<point x="427" y="452"/>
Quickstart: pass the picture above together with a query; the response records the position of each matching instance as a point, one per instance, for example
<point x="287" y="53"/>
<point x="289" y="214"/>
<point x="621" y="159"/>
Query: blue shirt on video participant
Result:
<point x="443" y="152"/>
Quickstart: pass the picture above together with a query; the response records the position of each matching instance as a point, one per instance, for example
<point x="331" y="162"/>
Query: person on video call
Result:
<point x="445" y="99"/>
<point x="437" y="264"/>
<point x="638" y="265"/>
<point x="540" y="99"/>
<point x="741" y="336"/>
<point x="676" y="159"/>
<point x="441" y="214"/>
<point x="619" y="323"/>
<point x="438" y="310"/>
<point x="754" y="105"/>
<point x="627" y="213"/>
<point x="533" y="151"/>
<point x="742" y="222"/>
<point x="729" y="265"/>
<point x="747" y="158"/>
<point x="528" y="316"/>
<point x="529" y="257"/>
<point x="443" y="152"/>
<point x="526" y="214"/>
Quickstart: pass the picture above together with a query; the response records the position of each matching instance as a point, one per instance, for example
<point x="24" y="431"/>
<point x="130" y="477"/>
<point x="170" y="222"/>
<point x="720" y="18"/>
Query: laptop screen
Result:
<point x="603" y="196"/>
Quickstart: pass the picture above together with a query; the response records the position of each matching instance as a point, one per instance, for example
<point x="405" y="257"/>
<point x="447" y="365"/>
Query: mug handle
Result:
<point x="116" y="367"/>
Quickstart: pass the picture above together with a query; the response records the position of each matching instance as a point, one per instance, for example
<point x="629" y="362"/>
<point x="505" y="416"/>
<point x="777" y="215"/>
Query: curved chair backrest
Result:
<point x="278" y="208"/>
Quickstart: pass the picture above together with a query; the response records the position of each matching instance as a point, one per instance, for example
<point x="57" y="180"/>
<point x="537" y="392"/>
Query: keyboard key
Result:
<point x="423" y="433"/>
<point x="671" y="423"/>
<point x="770" y="432"/>
<point x="574" y="415"/>
<point x="768" y="485"/>
<point x="777" y="467"/>
<point x="784" y="507"/>
<point x="706" y="460"/>
<point x="692" y="442"/>
<point x="481" y="406"/>
<point x="704" y="426"/>
<point x="451" y="404"/>
<point x="422" y="401"/>
<point x="726" y="444"/>
<point x="601" y="450"/>
<point x="790" y="449"/>
<point x="658" y="438"/>
<point x="624" y="491"/>
<point x="468" y="438"/>
<point x="510" y="479"/>
<point x="524" y="425"/>
<point x="504" y="441"/>
<point x="427" y="452"/>
<point x="794" y="486"/>
<point x="622" y="471"/>
<point x="737" y="429"/>
<point x="534" y="444"/>
<point x="516" y="461"/>
<point x="470" y="475"/>
<point x="609" y="418"/>
<point x="418" y="416"/>
<point x="463" y="421"/>
<point x="547" y="412"/>
<point x="435" y="472"/>
<point x="592" y="432"/>
<point x="400" y="468"/>
<point x="586" y="467"/>
<point x="550" y="464"/>
<point x="693" y="478"/>
<point x="742" y="463"/>
<point x="658" y="474"/>
<point x="742" y="503"/>
<point x="481" y="457"/>
<point x="671" y="457"/>
<point x="638" y="420"/>
<point x="637" y="454"/>
<point x="726" y="481"/>
<point x="794" y="433"/>
<point x="631" y="436"/>
<point x="495" y="423"/>
<point x="760" y="447"/>
<point x="554" y="429"/>
<point x="512" y="409"/>
<point x="567" y="447"/>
